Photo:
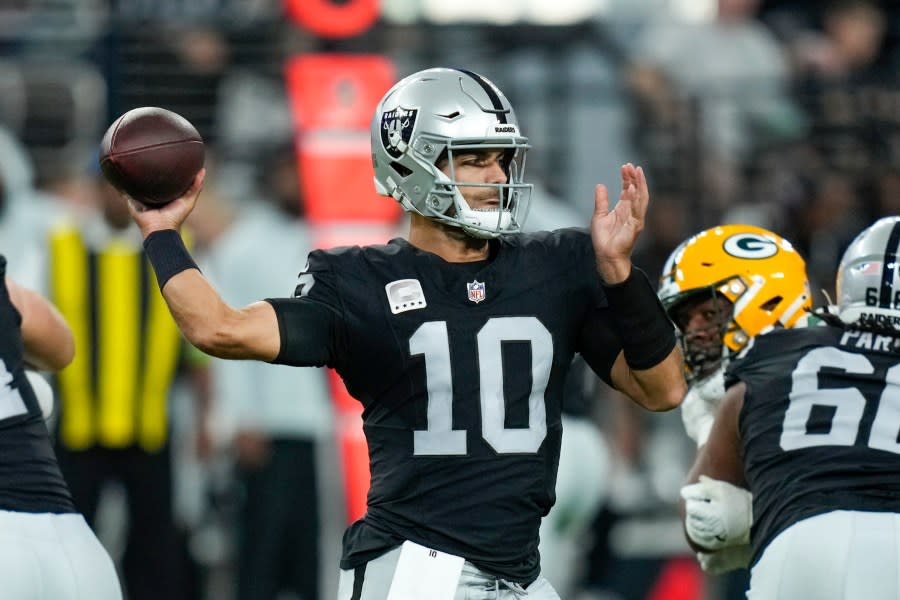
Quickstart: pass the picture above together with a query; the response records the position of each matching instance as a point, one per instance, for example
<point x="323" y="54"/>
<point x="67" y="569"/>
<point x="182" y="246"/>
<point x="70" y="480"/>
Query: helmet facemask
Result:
<point x="514" y="195"/>
<point x="703" y="348"/>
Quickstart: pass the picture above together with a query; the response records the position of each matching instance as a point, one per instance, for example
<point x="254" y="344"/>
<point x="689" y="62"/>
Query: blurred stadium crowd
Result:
<point x="781" y="113"/>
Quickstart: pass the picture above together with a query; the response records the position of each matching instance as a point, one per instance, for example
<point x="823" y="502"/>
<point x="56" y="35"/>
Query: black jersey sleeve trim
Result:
<point x="306" y="331"/>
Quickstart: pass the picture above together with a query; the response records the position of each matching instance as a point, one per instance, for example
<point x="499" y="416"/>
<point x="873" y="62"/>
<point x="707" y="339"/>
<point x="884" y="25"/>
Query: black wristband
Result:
<point x="166" y="251"/>
<point x="648" y="336"/>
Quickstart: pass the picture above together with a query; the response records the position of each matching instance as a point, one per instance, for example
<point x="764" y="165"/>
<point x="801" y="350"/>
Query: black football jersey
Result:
<point x="460" y="368"/>
<point x="30" y="480"/>
<point x="819" y="426"/>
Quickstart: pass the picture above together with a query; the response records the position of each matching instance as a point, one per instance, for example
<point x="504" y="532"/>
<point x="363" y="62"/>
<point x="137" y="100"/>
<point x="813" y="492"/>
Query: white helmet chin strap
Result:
<point x="480" y="223"/>
<point x="486" y="223"/>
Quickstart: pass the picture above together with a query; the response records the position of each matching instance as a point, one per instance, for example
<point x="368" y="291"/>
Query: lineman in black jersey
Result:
<point x="47" y="549"/>
<point x="456" y="340"/>
<point x="810" y="426"/>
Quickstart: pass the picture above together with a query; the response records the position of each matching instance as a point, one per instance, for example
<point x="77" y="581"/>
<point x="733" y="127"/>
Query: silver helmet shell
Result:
<point x="868" y="281"/>
<point x="432" y="115"/>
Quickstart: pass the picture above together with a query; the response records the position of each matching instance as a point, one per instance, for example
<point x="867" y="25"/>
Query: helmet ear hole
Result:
<point x="771" y="303"/>
<point x="400" y="170"/>
<point x="443" y="158"/>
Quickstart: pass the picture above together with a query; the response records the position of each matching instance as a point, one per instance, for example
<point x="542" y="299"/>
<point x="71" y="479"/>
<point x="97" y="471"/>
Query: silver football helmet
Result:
<point x="868" y="281"/>
<point x="432" y="115"/>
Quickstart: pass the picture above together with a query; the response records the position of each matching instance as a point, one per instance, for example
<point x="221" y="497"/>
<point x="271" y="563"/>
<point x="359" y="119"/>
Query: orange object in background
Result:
<point x="330" y="18"/>
<point x="333" y="98"/>
<point x="337" y="91"/>
<point x="339" y="187"/>
<point x="680" y="579"/>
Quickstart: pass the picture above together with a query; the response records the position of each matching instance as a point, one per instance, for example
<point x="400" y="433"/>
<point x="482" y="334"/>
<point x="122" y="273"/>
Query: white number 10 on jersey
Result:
<point x="432" y="341"/>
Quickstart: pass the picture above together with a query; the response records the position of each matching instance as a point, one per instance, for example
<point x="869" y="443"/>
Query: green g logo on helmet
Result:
<point x="750" y="246"/>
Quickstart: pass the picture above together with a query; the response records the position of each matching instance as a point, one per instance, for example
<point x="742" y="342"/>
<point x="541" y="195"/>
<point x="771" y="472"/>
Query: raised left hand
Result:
<point x="614" y="232"/>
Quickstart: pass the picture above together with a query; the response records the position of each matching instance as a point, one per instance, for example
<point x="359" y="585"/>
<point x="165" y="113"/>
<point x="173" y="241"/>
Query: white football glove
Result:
<point x="726" y="559"/>
<point x="698" y="410"/>
<point x="718" y="514"/>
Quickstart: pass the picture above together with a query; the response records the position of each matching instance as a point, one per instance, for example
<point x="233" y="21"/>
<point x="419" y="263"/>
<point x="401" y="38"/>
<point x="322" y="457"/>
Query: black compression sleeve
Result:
<point x="166" y="251"/>
<point x="648" y="335"/>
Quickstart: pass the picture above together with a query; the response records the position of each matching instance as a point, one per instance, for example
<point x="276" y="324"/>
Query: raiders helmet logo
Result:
<point x="396" y="128"/>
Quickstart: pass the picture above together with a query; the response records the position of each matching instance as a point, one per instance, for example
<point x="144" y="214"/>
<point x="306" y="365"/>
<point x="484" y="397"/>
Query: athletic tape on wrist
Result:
<point x="166" y="251"/>
<point x="648" y="336"/>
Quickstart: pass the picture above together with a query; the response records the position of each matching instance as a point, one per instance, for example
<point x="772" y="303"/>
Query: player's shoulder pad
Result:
<point x="340" y="254"/>
<point x="569" y="241"/>
<point x="777" y="343"/>
<point x="557" y="237"/>
<point x="348" y="259"/>
<point x="760" y="347"/>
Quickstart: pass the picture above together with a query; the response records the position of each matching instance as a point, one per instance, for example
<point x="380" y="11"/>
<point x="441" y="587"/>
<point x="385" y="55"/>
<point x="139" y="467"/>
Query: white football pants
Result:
<point x="841" y="555"/>
<point x="474" y="584"/>
<point x="46" y="556"/>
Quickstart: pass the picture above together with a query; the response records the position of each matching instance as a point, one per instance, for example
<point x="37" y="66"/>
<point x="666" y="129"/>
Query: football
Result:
<point x="151" y="154"/>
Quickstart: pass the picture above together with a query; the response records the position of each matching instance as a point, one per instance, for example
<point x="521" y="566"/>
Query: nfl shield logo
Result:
<point x="476" y="291"/>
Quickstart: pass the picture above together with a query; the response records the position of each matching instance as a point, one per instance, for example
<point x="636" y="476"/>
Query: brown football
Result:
<point x="151" y="154"/>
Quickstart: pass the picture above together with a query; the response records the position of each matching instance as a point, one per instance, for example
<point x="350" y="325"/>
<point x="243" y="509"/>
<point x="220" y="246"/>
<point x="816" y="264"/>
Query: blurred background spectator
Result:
<point x="779" y="113"/>
<point x="277" y="420"/>
<point x="26" y="213"/>
<point x="732" y="77"/>
<point x="113" y="426"/>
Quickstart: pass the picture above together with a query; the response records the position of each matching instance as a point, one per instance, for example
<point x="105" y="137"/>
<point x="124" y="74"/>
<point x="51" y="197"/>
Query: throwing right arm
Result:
<point x="249" y="333"/>
<point x="200" y="313"/>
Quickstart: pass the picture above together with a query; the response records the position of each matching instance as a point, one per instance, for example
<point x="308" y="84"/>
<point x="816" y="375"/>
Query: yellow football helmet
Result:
<point x="758" y="271"/>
